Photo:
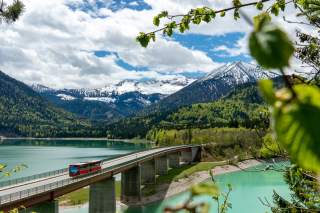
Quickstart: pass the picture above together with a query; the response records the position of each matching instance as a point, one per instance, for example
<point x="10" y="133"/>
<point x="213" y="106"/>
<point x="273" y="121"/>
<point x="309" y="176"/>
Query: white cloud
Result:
<point x="240" y="48"/>
<point x="52" y="44"/>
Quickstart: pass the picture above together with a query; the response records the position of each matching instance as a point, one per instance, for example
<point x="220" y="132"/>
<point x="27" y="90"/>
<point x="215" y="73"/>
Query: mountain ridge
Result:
<point x="214" y="85"/>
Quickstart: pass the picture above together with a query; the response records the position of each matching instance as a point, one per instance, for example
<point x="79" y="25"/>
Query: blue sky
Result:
<point x="204" y="43"/>
<point x="208" y="44"/>
<point x="113" y="5"/>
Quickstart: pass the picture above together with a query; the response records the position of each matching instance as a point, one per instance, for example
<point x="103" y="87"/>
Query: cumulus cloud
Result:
<point x="54" y="41"/>
<point x="53" y="44"/>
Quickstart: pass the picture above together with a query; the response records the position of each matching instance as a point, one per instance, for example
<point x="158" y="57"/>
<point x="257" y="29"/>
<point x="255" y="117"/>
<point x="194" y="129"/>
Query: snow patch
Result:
<point x="66" y="97"/>
<point x="101" y="99"/>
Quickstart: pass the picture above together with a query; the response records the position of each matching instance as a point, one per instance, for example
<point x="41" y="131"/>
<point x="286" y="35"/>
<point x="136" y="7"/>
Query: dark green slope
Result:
<point x="242" y="107"/>
<point x="23" y="112"/>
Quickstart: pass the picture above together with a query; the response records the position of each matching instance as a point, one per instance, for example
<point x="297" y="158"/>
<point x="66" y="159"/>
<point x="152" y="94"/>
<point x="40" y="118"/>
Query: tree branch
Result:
<point x="217" y="12"/>
<point x="288" y="83"/>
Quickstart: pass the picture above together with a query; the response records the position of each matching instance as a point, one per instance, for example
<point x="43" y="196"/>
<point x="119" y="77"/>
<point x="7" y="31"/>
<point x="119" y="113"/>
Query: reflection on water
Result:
<point x="47" y="155"/>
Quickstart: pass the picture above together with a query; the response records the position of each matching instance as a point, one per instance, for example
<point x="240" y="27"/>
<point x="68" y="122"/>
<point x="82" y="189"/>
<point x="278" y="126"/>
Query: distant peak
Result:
<point x="40" y="88"/>
<point x="239" y="72"/>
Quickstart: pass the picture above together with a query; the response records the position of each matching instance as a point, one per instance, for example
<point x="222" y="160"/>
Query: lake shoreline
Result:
<point x="164" y="191"/>
<point x="80" y="139"/>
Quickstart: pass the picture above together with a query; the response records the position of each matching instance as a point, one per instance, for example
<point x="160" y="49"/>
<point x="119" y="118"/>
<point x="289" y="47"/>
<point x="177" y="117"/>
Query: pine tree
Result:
<point x="11" y="12"/>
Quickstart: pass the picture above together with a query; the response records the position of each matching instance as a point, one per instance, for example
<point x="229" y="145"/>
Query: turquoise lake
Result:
<point x="248" y="186"/>
<point x="41" y="156"/>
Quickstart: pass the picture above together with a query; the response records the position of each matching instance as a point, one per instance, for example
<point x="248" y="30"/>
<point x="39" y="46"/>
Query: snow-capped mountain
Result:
<point x="239" y="73"/>
<point x="113" y="101"/>
<point x="216" y="84"/>
<point x="147" y="87"/>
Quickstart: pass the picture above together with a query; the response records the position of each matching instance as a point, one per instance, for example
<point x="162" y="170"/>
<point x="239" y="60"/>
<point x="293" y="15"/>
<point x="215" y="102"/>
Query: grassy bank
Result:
<point x="81" y="196"/>
<point x="187" y="170"/>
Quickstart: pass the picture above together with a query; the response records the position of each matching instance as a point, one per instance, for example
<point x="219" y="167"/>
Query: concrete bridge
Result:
<point x="39" y="192"/>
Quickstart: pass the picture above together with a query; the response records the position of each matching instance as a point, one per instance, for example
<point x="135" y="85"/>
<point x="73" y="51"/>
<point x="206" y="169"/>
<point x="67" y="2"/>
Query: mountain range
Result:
<point x="133" y="106"/>
<point x="130" y="97"/>
<point x="114" y="101"/>
<point x="214" y="85"/>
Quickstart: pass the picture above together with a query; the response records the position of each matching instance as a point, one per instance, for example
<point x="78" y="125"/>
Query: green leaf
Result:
<point x="282" y="4"/>
<point x="261" y="20"/>
<point x="223" y="14"/>
<point x="168" y="31"/>
<point x="236" y="14"/>
<point x="297" y="126"/>
<point x="259" y="5"/>
<point x="275" y="9"/>
<point x="212" y="14"/>
<point x="270" y="46"/>
<point x="143" y="39"/>
<point x="196" y="20"/>
<point x="206" y="18"/>
<point x="205" y="189"/>
<point x="302" y="3"/>
<point x="236" y="3"/>
<point x="266" y="88"/>
<point x="156" y="20"/>
<point x="163" y="14"/>
<point x="153" y="36"/>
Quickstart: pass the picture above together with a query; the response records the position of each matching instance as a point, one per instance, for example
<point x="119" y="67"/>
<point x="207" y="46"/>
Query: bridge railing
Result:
<point x="21" y="180"/>
<point x="16" y="181"/>
<point x="49" y="187"/>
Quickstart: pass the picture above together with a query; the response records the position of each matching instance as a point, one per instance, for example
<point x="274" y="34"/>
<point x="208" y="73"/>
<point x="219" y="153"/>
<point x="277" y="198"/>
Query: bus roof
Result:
<point x="84" y="163"/>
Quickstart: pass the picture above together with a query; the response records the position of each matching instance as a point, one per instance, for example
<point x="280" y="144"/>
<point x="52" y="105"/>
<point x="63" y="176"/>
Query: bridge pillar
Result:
<point x="47" y="207"/>
<point x="131" y="184"/>
<point x="186" y="156"/>
<point x="162" y="165"/>
<point x="196" y="154"/>
<point x="174" y="160"/>
<point x="148" y="172"/>
<point x="102" y="197"/>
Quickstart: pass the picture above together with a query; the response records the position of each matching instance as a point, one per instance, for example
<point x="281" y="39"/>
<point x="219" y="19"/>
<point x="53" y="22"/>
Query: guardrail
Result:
<point x="21" y="180"/>
<point x="49" y="187"/>
<point x="52" y="173"/>
<point x="32" y="177"/>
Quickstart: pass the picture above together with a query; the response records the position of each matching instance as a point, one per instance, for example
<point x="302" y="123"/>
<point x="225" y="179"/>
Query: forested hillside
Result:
<point x="23" y="112"/>
<point x="243" y="107"/>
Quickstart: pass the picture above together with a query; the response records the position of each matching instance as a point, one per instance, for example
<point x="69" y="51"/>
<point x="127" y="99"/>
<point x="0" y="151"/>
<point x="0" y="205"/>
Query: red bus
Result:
<point x="79" y="169"/>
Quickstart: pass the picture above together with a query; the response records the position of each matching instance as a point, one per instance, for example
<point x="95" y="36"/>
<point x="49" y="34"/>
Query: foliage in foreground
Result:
<point x="10" y="13"/>
<point x="295" y="108"/>
<point x="305" y="196"/>
<point x="4" y="172"/>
